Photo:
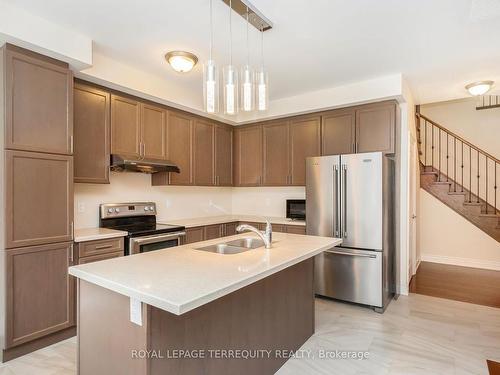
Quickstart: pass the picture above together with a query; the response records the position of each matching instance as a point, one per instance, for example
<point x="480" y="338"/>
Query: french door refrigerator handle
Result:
<point x="344" y="199"/>
<point x="336" y="200"/>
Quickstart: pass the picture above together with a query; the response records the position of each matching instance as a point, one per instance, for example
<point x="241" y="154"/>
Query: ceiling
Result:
<point x="438" y="45"/>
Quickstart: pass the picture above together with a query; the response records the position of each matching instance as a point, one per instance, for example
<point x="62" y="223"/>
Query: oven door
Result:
<point x="150" y="243"/>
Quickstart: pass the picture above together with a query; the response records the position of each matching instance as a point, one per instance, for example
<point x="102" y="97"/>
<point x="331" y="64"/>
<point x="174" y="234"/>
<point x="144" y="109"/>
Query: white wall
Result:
<point x="265" y="201"/>
<point x="172" y="202"/>
<point x="446" y="237"/>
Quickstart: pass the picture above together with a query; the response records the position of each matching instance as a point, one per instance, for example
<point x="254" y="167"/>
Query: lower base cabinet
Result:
<point x="40" y="295"/>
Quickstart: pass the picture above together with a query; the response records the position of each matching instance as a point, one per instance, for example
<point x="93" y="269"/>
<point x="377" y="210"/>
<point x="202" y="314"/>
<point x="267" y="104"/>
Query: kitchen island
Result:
<point x="186" y="311"/>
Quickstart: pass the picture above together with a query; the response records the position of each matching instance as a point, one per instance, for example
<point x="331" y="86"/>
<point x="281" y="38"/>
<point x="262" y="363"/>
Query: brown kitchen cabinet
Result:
<point x="97" y="258"/>
<point x="338" y="129"/>
<point x="213" y="231"/>
<point x="305" y="141"/>
<point x="40" y="297"/>
<point x="195" y="234"/>
<point x="204" y="149"/>
<point x="180" y="147"/>
<point x="376" y="127"/>
<point x="279" y="228"/>
<point x="223" y="155"/>
<point x="125" y="126"/>
<point x="276" y="159"/>
<point x="230" y="229"/>
<point x="91" y="134"/>
<point x="100" y="247"/>
<point x="153" y="132"/>
<point x="38" y="102"/>
<point x="295" y="229"/>
<point x="39" y="198"/>
<point x="248" y="156"/>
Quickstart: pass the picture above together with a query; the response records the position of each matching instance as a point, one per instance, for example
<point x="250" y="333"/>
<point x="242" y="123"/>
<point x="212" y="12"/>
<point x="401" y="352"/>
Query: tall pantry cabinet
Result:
<point x="37" y="189"/>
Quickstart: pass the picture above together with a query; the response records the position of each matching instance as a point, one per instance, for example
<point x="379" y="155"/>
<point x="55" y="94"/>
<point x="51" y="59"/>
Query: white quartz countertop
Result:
<point x="181" y="278"/>
<point x="209" y="220"/>
<point x="92" y="234"/>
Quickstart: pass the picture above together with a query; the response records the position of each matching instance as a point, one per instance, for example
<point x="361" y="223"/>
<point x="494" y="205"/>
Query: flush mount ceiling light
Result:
<point x="479" y="88"/>
<point x="181" y="61"/>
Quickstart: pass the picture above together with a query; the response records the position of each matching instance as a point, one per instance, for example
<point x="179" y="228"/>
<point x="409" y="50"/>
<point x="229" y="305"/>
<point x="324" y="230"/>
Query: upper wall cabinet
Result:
<point x="248" y="156"/>
<point x="305" y="141"/>
<point x="204" y="148"/>
<point x="92" y="134"/>
<point x="154" y="132"/>
<point x="223" y="155"/>
<point x="376" y="128"/>
<point x="338" y="132"/>
<point x="125" y="126"/>
<point x="276" y="156"/>
<point x="38" y="102"/>
<point x="180" y="147"/>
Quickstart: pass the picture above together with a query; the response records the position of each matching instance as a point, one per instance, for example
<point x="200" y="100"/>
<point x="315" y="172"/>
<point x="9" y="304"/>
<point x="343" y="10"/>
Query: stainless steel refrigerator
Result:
<point x="351" y="197"/>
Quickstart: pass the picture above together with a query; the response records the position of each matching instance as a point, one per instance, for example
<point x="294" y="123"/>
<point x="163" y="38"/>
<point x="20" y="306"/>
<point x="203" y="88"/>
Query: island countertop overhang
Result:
<point x="181" y="279"/>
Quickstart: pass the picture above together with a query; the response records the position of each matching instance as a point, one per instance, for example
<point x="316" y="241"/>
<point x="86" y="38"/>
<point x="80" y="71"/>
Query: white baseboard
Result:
<point x="464" y="262"/>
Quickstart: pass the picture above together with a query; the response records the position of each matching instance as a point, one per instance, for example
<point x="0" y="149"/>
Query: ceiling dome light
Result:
<point x="479" y="88"/>
<point x="181" y="61"/>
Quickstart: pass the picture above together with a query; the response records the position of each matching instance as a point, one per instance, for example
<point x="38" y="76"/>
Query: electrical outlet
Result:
<point x="81" y="207"/>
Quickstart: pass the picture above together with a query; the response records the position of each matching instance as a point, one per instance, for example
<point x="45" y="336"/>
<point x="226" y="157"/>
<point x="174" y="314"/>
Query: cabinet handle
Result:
<point x="72" y="229"/>
<point x="71" y="251"/>
<point x="71" y="146"/>
<point x="107" y="246"/>
<point x="143" y="150"/>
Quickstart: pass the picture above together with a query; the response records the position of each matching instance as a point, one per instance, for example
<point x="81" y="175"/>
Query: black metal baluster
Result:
<point x="425" y="145"/>
<point x="432" y="147"/>
<point x="455" y="164"/>
<point x="447" y="156"/>
<point x="439" y="153"/>
<point x="462" y="160"/>
<point x="486" y="185"/>
<point x="470" y="174"/>
<point x="478" y="176"/>
<point x="495" y="188"/>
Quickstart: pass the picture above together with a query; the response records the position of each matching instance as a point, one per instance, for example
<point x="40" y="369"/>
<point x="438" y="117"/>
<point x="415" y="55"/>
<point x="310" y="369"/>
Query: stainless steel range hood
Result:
<point x="120" y="163"/>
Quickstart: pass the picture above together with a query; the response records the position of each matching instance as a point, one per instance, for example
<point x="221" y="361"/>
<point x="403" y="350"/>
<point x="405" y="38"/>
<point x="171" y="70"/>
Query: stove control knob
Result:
<point x="117" y="210"/>
<point x="151" y="208"/>
<point x="146" y="208"/>
<point x="110" y="210"/>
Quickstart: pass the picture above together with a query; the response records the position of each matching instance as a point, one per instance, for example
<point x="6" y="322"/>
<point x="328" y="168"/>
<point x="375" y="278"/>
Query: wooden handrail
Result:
<point x="458" y="137"/>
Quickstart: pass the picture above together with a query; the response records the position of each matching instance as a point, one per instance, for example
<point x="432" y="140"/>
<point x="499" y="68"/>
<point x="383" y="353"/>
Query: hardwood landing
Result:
<point x="473" y="285"/>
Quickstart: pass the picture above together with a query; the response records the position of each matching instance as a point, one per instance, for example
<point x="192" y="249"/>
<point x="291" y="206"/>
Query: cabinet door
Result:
<point x="97" y="258"/>
<point x="248" y="156"/>
<point x="223" y="155"/>
<point x="39" y="293"/>
<point x="279" y="228"/>
<point x="305" y="138"/>
<point x="125" y="126"/>
<point x="230" y="229"/>
<point x="154" y="132"/>
<point x="338" y="132"/>
<point x="39" y="204"/>
<point x="196" y="234"/>
<point x="92" y="132"/>
<point x="180" y="148"/>
<point x="38" y="103"/>
<point x="376" y="128"/>
<point x="213" y="231"/>
<point x="203" y="146"/>
<point x="276" y="154"/>
<point x="296" y="229"/>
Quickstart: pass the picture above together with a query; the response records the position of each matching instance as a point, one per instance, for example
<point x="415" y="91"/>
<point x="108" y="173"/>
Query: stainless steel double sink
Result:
<point x="234" y="247"/>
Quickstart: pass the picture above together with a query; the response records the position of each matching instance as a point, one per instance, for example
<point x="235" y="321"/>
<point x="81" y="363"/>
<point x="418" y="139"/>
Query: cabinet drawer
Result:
<point x="296" y="229"/>
<point x="99" y="247"/>
<point x="104" y="256"/>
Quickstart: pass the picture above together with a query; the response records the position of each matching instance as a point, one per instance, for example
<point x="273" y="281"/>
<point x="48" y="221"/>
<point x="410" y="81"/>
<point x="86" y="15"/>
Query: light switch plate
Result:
<point x="136" y="311"/>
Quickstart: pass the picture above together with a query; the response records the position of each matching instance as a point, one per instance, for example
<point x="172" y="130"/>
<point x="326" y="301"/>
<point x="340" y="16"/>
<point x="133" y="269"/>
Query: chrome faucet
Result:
<point x="266" y="236"/>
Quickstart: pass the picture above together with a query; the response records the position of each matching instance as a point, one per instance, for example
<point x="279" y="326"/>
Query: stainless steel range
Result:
<point x="139" y="220"/>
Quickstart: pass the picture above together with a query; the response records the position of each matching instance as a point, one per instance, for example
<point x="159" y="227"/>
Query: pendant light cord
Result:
<point x="211" y="31"/>
<point x="262" y="44"/>
<point x="248" y="43"/>
<point x="230" y="34"/>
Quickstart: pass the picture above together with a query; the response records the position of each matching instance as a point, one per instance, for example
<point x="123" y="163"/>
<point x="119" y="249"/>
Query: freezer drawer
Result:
<point x="350" y="275"/>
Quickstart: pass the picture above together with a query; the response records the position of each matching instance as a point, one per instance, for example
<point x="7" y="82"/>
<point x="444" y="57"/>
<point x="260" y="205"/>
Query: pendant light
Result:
<point x="247" y="86"/>
<point x="211" y="77"/>
<point x="230" y="76"/>
<point x="262" y="80"/>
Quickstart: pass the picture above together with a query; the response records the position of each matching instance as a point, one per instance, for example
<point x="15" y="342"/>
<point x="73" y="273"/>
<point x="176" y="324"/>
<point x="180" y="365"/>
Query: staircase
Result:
<point x="460" y="175"/>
